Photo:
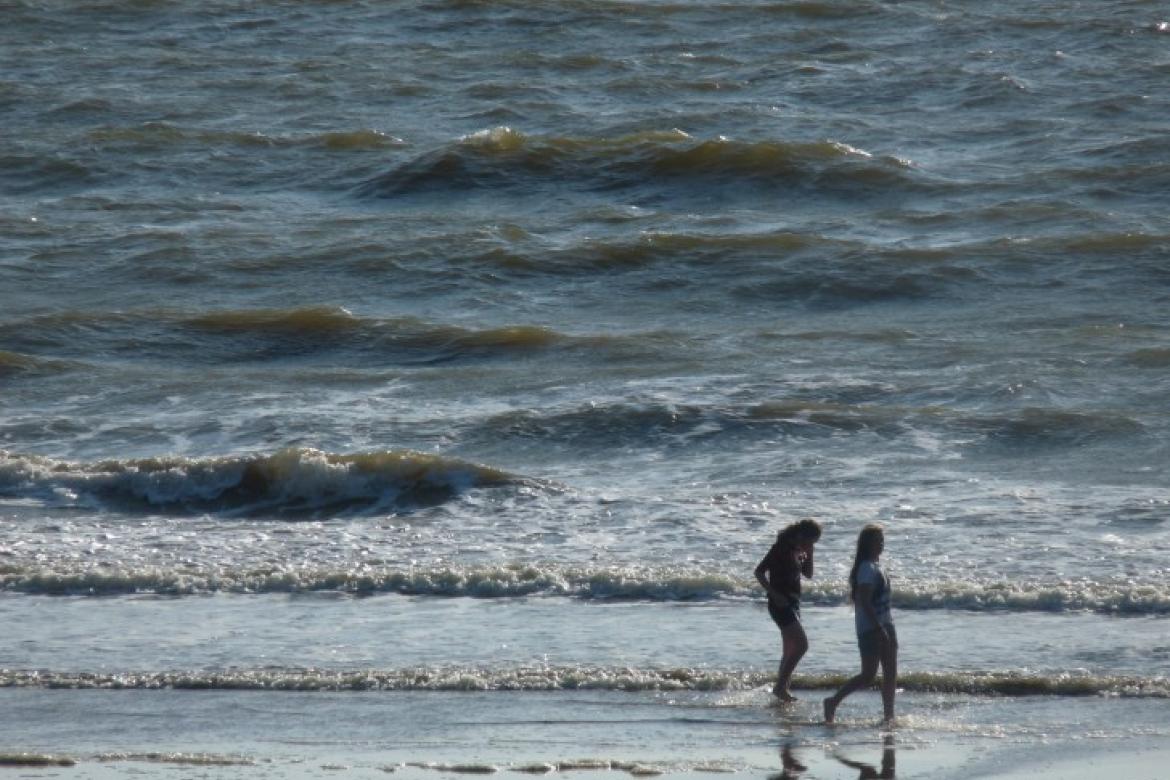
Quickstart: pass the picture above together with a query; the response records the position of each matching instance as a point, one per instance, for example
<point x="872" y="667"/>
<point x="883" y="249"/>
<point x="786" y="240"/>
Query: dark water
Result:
<point x="579" y="302"/>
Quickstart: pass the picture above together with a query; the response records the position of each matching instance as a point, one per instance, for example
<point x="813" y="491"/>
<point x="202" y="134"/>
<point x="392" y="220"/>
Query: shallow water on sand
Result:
<point x="584" y="733"/>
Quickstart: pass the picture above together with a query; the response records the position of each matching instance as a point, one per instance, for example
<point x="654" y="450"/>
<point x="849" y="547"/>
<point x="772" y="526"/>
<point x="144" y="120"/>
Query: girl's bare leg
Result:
<point x="889" y="677"/>
<point x="795" y="646"/>
<point x="869" y="665"/>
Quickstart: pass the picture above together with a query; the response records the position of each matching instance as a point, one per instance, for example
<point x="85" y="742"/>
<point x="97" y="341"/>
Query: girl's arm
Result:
<point x="806" y="566"/>
<point x="762" y="577"/>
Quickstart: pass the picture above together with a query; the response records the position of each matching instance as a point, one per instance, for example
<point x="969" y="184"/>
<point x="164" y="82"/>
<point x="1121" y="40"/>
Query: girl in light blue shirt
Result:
<point x="876" y="639"/>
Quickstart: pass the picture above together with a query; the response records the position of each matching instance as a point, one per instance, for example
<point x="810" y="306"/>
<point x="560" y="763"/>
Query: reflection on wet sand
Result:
<point x="793" y="768"/>
<point x="868" y="771"/>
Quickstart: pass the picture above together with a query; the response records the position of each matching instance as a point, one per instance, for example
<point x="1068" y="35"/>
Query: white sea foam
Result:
<point x="578" y="678"/>
<point x="190" y="759"/>
<point x="617" y="583"/>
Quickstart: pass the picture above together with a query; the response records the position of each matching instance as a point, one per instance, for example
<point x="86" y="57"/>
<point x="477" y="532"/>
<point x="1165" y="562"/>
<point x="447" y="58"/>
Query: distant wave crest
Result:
<point x="504" y="158"/>
<point x="233" y="335"/>
<point x="16" y="364"/>
<point x="156" y="135"/>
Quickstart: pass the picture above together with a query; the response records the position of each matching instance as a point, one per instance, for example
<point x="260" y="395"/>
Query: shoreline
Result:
<point x="879" y="757"/>
<point x="95" y="734"/>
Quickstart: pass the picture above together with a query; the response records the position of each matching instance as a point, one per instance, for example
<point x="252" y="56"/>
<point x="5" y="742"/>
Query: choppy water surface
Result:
<point x="560" y="309"/>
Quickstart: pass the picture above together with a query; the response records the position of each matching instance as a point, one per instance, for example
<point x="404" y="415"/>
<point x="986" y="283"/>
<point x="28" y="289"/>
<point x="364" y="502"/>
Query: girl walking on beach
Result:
<point x="789" y="559"/>
<point x="870" y="590"/>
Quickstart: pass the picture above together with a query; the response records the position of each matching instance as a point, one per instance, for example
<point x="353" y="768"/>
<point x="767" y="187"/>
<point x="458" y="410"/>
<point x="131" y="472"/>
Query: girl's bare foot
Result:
<point x="784" y="696"/>
<point x="830" y="709"/>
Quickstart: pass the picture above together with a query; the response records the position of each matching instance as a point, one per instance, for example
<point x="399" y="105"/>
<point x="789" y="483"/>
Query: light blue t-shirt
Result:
<point x="870" y="573"/>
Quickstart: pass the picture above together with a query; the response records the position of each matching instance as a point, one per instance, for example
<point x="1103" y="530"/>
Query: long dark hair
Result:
<point x="806" y="530"/>
<point x="867" y="542"/>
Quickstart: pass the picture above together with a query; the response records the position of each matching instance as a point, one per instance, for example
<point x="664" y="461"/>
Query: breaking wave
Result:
<point x="1122" y="597"/>
<point x="579" y="677"/>
<point x="291" y="481"/>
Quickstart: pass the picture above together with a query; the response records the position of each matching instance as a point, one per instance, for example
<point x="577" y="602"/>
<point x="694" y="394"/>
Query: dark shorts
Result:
<point x="870" y="642"/>
<point x="784" y="616"/>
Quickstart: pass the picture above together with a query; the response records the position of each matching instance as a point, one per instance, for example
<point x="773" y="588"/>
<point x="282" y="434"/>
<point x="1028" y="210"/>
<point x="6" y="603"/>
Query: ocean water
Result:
<point x="414" y="385"/>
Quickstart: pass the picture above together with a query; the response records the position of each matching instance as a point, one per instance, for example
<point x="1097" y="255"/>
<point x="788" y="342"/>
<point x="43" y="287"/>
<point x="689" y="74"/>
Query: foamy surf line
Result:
<point x="511" y="581"/>
<point x="45" y="760"/>
<point x="578" y="678"/>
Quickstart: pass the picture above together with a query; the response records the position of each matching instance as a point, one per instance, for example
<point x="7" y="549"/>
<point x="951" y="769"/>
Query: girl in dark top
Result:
<point x="790" y="558"/>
